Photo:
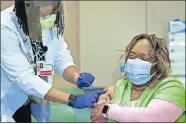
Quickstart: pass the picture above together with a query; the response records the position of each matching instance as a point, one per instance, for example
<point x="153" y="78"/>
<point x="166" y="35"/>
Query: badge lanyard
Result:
<point x="43" y="68"/>
<point x="27" y="48"/>
<point x="27" y="44"/>
<point x="39" y="64"/>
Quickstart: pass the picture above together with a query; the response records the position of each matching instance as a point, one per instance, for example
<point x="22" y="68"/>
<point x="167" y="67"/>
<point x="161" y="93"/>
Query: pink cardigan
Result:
<point x="157" y="111"/>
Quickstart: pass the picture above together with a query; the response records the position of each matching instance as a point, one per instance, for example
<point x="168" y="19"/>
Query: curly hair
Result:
<point x="160" y="56"/>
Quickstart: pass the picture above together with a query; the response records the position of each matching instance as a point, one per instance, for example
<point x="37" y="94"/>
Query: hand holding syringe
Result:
<point x="87" y="83"/>
<point x="80" y="77"/>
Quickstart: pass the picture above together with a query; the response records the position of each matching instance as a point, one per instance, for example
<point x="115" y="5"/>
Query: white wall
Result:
<point x="160" y="12"/>
<point x="106" y="26"/>
<point x="6" y="4"/>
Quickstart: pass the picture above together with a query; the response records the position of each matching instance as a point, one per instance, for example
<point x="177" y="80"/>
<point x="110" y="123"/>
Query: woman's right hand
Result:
<point x="96" y="113"/>
<point x="103" y="97"/>
<point x="109" y="92"/>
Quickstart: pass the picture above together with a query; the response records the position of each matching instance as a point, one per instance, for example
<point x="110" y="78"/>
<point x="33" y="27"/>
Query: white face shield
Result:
<point x="37" y="11"/>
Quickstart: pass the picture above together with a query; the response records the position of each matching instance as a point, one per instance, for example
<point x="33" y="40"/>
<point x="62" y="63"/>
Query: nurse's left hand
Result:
<point x="87" y="100"/>
<point x="85" y="80"/>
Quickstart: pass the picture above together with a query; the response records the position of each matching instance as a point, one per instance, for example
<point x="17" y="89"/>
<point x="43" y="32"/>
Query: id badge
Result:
<point x="44" y="68"/>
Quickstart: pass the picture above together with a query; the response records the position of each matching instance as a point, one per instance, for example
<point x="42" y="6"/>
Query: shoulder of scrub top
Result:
<point x="7" y="19"/>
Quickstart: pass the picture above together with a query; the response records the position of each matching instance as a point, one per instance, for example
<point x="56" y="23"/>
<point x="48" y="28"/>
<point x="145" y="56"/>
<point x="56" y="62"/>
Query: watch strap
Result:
<point x="71" y="100"/>
<point x="105" y="111"/>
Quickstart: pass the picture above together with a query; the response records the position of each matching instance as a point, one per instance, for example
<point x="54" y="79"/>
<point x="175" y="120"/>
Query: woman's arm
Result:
<point x="64" y="63"/>
<point x="157" y="111"/>
<point x="65" y="67"/>
<point x="56" y="95"/>
<point x="109" y="95"/>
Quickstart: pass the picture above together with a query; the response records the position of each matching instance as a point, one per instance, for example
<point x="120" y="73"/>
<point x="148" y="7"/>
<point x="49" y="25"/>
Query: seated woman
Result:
<point x="147" y="94"/>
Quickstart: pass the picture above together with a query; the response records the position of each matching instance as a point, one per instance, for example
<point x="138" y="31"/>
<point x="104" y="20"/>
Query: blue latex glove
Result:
<point x="85" y="80"/>
<point x="87" y="100"/>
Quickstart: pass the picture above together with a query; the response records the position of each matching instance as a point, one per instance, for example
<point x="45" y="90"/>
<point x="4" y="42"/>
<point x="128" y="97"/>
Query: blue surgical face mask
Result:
<point x="138" y="71"/>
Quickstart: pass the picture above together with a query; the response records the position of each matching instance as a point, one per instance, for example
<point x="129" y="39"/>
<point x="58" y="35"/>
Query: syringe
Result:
<point x="79" y="76"/>
<point x="91" y="87"/>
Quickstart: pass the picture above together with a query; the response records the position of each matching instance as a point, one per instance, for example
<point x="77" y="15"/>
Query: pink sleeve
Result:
<point x="157" y="111"/>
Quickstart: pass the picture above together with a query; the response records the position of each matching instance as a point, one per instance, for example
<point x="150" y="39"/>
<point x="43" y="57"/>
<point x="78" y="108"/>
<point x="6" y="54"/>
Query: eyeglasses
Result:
<point x="145" y="57"/>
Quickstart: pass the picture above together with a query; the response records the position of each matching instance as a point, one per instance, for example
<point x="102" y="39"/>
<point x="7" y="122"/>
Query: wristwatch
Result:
<point x="105" y="111"/>
<point x="71" y="100"/>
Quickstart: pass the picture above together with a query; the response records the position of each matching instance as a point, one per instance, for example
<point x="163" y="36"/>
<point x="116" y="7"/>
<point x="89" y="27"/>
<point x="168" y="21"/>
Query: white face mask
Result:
<point x="48" y="21"/>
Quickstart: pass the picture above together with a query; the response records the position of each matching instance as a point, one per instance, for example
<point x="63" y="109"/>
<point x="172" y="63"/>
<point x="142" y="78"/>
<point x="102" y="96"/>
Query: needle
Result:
<point x="79" y="76"/>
